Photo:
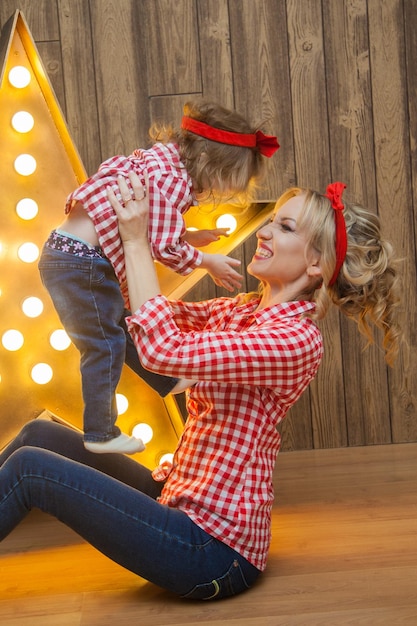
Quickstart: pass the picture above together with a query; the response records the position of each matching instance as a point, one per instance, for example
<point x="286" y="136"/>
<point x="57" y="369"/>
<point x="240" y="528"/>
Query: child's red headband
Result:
<point x="266" y="144"/>
<point x="334" y="193"/>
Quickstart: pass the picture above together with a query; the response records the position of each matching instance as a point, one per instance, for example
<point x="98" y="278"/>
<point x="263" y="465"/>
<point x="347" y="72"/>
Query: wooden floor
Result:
<point x="344" y="551"/>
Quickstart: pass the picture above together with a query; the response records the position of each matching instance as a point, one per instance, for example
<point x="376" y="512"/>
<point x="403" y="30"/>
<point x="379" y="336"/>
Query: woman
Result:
<point x="201" y="527"/>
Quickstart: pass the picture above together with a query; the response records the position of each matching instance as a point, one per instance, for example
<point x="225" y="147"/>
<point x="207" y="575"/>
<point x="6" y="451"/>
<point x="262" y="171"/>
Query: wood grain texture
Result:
<point x="215" y="51"/>
<point x="394" y="189"/>
<point x="51" y="55"/>
<point x="317" y="422"/>
<point x="308" y="93"/>
<point x="80" y="79"/>
<point x="334" y="80"/>
<point x="121" y="77"/>
<point x="172" y="47"/>
<point x="261" y="80"/>
<point x="343" y="552"/>
<point x="42" y="16"/>
<point x="352" y="161"/>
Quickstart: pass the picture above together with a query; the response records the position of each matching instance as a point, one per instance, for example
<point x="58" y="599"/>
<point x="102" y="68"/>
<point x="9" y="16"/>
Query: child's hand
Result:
<point x="220" y="268"/>
<point x="204" y="237"/>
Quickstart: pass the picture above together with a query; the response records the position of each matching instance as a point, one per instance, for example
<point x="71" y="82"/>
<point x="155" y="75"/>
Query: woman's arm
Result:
<point x="133" y="217"/>
<point x="268" y="352"/>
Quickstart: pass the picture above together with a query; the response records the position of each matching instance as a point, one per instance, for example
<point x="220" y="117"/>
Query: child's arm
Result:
<point x="204" y="237"/>
<point x="220" y="268"/>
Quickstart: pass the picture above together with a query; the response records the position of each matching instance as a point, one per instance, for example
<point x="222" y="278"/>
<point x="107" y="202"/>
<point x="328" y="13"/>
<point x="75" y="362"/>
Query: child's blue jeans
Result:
<point x="110" y="500"/>
<point x="87" y="298"/>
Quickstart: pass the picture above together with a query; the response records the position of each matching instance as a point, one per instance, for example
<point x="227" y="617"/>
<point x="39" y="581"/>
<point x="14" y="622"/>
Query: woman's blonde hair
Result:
<point x="215" y="168"/>
<point x="367" y="287"/>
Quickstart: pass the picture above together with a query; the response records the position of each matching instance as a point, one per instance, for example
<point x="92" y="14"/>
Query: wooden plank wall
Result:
<point x="334" y="79"/>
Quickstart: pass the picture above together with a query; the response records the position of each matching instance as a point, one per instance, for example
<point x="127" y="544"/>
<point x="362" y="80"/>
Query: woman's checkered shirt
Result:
<point x="251" y="366"/>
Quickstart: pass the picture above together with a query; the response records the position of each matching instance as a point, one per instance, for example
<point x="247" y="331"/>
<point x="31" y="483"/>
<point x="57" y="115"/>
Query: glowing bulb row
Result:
<point x="27" y="209"/>
<point x="42" y="374"/>
<point x="13" y="340"/>
<point x="25" y="164"/>
<point x="22" y="121"/>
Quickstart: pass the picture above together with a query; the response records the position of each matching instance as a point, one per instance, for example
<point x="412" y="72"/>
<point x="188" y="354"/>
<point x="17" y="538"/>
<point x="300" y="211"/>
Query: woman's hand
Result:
<point x="133" y="214"/>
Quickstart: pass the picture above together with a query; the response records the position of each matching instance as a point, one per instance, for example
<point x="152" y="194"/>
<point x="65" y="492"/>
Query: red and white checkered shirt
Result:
<point x="170" y="196"/>
<point x="252" y="365"/>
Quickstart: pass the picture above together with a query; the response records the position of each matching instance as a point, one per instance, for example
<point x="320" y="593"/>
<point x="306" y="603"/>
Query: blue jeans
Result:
<point x="111" y="501"/>
<point x="87" y="298"/>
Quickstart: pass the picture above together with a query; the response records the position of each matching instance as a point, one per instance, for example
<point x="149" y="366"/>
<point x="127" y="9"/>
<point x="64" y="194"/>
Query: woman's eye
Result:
<point x="282" y="225"/>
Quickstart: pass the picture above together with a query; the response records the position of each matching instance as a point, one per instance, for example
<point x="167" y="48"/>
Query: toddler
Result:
<point x="215" y="154"/>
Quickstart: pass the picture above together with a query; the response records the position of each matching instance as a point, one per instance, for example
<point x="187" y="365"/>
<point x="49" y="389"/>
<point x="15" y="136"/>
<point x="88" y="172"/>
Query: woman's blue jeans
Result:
<point x="111" y="501"/>
<point x="87" y="298"/>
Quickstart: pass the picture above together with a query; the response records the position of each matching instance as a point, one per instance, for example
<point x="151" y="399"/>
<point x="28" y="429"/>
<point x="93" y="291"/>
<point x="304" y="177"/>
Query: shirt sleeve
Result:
<point x="189" y="316"/>
<point x="270" y="353"/>
<point x="169" y="199"/>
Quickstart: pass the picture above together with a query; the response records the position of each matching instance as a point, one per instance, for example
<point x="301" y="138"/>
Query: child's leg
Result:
<point x="163" y="385"/>
<point x="87" y="298"/>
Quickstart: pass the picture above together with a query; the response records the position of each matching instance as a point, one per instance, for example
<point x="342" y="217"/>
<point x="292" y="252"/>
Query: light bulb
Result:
<point x="143" y="431"/>
<point x="28" y="252"/>
<point x="59" y="339"/>
<point x="41" y="373"/>
<point x="168" y="457"/>
<point x="227" y="221"/>
<point x="27" y="209"/>
<point x="12" y="340"/>
<point x="25" y="164"/>
<point x="22" y="122"/>
<point x="32" y="306"/>
<point x="19" y="76"/>
<point x="122" y="403"/>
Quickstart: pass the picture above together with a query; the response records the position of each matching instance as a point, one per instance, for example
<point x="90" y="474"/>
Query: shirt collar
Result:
<point x="284" y="309"/>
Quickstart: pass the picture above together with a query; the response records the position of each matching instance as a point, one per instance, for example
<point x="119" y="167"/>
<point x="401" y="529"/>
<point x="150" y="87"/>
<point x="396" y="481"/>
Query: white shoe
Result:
<point x="123" y="444"/>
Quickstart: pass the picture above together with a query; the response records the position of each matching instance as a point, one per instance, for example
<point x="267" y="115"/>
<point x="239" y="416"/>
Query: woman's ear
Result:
<point x="313" y="271"/>
<point x="313" y="268"/>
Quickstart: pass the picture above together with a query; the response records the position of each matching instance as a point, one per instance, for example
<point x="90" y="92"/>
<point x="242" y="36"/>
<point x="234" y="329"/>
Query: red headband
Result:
<point x="334" y="193"/>
<point x="266" y="144"/>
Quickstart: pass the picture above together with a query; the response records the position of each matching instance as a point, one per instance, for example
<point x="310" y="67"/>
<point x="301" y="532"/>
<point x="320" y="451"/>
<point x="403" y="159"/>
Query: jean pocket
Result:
<point x="230" y="584"/>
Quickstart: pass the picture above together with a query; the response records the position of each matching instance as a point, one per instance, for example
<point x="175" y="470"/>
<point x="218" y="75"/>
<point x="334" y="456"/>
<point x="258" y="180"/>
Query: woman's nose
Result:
<point x="264" y="233"/>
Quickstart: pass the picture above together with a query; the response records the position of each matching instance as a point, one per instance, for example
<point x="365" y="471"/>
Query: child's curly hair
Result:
<point x="215" y="168"/>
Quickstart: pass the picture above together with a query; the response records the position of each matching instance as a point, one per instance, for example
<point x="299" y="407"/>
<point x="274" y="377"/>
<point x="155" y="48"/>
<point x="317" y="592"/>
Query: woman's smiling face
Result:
<point x="282" y="257"/>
